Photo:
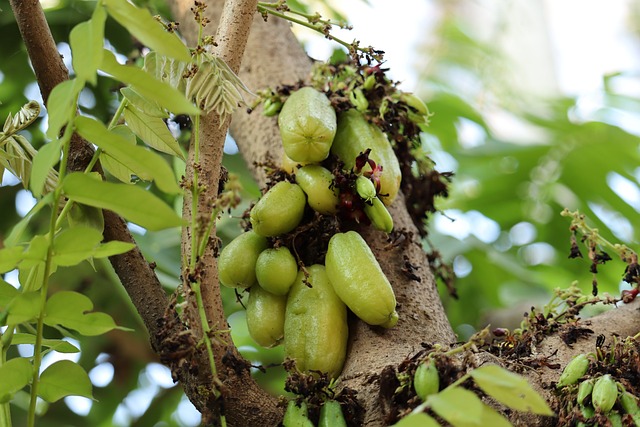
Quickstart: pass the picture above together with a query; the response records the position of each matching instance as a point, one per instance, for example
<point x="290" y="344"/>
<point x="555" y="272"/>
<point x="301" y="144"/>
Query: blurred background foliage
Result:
<point x="520" y="155"/>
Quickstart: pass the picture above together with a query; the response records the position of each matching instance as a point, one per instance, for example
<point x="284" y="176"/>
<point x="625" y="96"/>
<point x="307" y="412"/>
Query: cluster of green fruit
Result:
<point x="306" y="308"/>
<point x="298" y="415"/>
<point x="599" y="394"/>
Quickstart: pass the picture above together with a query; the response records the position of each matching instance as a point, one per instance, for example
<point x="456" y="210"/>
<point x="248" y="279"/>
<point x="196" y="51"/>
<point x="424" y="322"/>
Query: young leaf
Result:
<point x="60" y="346"/>
<point x="48" y="156"/>
<point x="166" y="96"/>
<point x="10" y="258"/>
<point x="62" y="105"/>
<point x="36" y="252"/>
<point x="23" y="308"/>
<point x="64" y="378"/>
<point x="138" y="101"/>
<point x="114" y="167"/>
<point x="74" y="245"/>
<point x="458" y="406"/>
<point x="73" y="310"/>
<point x="15" y="373"/>
<point x="131" y="202"/>
<point x="419" y="419"/>
<point x="510" y="389"/>
<point x="86" y="216"/>
<point x="145" y="28"/>
<point x="112" y="248"/>
<point x="7" y="293"/>
<point x="144" y="163"/>
<point x="87" y="40"/>
<point x="165" y="69"/>
<point x="153" y="131"/>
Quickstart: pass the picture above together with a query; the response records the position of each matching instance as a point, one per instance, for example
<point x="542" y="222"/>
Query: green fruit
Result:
<point x="315" y="326"/>
<point x="426" y="380"/>
<point x="379" y="215"/>
<point x="296" y="416"/>
<point x="365" y="188"/>
<point x="331" y="415"/>
<point x="574" y="370"/>
<point x="584" y="390"/>
<point x="290" y="166"/>
<point x="629" y="403"/>
<point x="605" y="393"/>
<point x="317" y="183"/>
<point x="279" y="211"/>
<point x="353" y="137"/>
<point x="237" y="261"/>
<point x="276" y="270"/>
<point x="307" y="124"/>
<point x="359" y="281"/>
<point x="265" y="317"/>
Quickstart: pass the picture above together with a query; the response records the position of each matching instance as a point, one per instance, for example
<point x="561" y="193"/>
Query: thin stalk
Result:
<point x="195" y="194"/>
<point x="5" y="341"/>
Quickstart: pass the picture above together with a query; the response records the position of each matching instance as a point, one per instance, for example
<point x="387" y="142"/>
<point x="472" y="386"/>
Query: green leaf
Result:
<point x="7" y="293"/>
<point x="62" y="105"/>
<point x="459" y="407"/>
<point x="64" y="378"/>
<point x="36" y="252"/>
<point x="48" y="156"/>
<point x="10" y="258"/>
<point x="153" y="131"/>
<point x="15" y="373"/>
<point x="72" y="310"/>
<point x="74" y="245"/>
<point x="490" y="417"/>
<point x="112" y="248"/>
<point x="131" y="202"/>
<point x="138" y="101"/>
<point x="114" y="167"/>
<point x="166" y="69"/>
<point x="23" y="308"/>
<point x="510" y="389"/>
<point x="144" y="163"/>
<point x="19" y="228"/>
<point x="87" y="42"/>
<point x="419" y="419"/>
<point x="87" y="216"/>
<point x="60" y="346"/>
<point x="166" y="96"/>
<point x="145" y="28"/>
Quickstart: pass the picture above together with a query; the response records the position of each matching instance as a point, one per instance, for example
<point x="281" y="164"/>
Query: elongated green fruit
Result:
<point x="331" y="415"/>
<point x="359" y="281"/>
<point x="379" y="215"/>
<point x="365" y="188"/>
<point x="237" y="261"/>
<point x="574" y="370"/>
<point x="353" y="137"/>
<point x="317" y="183"/>
<point x="629" y="403"/>
<point x="584" y="390"/>
<point x="276" y="270"/>
<point x="307" y="125"/>
<point x="279" y="211"/>
<point x="315" y="325"/>
<point x="605" y="393"/>
<point x="296" y="416"/>
<point x="265" y="316"/>
<point x="426" y="380"/>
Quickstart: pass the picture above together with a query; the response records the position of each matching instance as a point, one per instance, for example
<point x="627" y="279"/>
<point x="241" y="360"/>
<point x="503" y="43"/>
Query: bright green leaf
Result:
<point x="144" y="163"/>
<point x="145" y="28"/>
<point x="419" y="419"/>
<point x="87" y="40"/>
<point x="15" y="373"/>
<point x="64" y="378"/>
<point x="153" y="131"/>
<point x="166" y="96"/>
<point x="73" y="310"/>
<point x="112" y="248"/>
<point x="62" y="105"/>
<point x="138" y="101"/>
<point x="87" y="216"/>
<point x="7" y="293"/>
<point x="23" y="308"/>
<point x="10" y="258"/>
<point x="491" y="417"/>
<point x="131" y="202"/>
<point x="74" y="245"/>
<point x="60" y="346"/>
<point x="31" y="278"/>
<point x="460" y="407"/>
<point x="48" y="156"/>
<point x="114" y="167"/>
<point x="36" y="252"/>
<point x="510" y="389"/>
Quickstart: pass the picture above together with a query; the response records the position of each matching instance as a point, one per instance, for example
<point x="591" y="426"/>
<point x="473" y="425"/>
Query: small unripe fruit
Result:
<point x="237" y="261"/>
<point x="629" y="403"/>
<point x="265" y="317"/>
<point x="317" y="183"/>
<point x="605" y="393"/>
<point x="584" y="390"/>
<point x="365" y="188"/>
<point x="331" y="415"/>
<point x="276" y="270"/>
<point x="426" y="380"/>
<point x="296" y="416"/>
<point x="379" y="215"/>
<point x="279" y="211"/>
<point x="574" y="370"/>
